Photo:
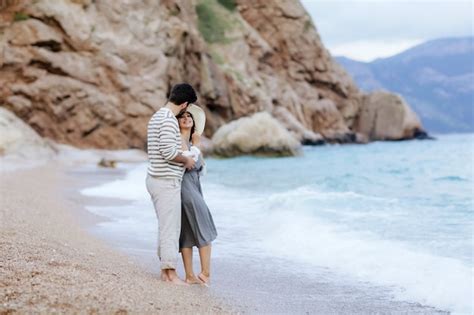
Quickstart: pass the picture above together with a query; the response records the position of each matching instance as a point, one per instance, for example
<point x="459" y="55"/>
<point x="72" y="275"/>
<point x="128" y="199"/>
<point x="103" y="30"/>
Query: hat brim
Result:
<point x="199" y="118"/>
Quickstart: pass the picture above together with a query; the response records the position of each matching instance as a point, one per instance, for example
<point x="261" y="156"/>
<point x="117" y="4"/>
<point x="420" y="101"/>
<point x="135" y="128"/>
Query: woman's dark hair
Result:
<point x="181" y="93"/>
<point x="193" y="128"/>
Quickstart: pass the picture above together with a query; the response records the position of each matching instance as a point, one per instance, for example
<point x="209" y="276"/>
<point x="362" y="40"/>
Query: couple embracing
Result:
<point x="175" y="165"/>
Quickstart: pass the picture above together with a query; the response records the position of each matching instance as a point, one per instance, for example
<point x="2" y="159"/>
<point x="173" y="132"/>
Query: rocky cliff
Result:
<point x="91" y="73"/>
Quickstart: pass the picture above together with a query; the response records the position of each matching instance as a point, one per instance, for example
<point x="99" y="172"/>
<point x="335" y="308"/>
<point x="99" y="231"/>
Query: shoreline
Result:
<point x="55" y="265"/>
<point x="51" y="263"/>
<point x="271" y="289"/>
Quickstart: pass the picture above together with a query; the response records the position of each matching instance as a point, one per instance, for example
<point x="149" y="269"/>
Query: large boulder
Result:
<point x="19" y="139"/>
<point x="260" y="134"/>
<point x="302" y="134"/>
<point x="386" y="116"/>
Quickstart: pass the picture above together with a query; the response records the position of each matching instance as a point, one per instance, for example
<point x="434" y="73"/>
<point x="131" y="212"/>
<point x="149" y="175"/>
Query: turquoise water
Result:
<point x="419" y="192"/>
<point x="394" y="214"/>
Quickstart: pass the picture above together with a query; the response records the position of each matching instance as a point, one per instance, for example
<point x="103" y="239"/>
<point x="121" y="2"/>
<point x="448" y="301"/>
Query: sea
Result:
<point x="391" y="215"/>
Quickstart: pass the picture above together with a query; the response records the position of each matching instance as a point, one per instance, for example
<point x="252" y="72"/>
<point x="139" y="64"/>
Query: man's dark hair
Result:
<point x="181" y="93"/>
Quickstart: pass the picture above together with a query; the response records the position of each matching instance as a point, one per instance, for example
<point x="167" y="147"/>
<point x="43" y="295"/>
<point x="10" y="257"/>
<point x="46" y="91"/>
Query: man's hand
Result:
<point x="189" y="164"/>
<point x="187" y="161"/>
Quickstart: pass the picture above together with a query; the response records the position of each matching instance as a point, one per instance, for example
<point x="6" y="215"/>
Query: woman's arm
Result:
<point x="196" y="140"/>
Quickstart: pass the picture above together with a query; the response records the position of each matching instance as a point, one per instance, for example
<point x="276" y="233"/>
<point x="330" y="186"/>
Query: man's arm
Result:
<point x="167" y="145"/>
<point x="167" y="141"/>
<point x="187" y="161"/>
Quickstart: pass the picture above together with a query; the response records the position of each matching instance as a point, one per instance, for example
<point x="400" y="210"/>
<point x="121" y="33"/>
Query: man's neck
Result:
<point x="173" y="107"/>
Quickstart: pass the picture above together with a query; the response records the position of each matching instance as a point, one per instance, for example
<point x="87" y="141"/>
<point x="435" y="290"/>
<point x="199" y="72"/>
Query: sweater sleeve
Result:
<point x="167" y="142"/>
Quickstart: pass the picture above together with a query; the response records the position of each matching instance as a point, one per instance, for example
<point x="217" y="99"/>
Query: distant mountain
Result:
<point x="436" y="78"/>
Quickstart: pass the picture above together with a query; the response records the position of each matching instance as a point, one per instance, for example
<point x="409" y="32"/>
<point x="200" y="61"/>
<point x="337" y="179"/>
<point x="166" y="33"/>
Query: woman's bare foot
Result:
<point x="193" y="280"/>
<point x="204" y="278"/>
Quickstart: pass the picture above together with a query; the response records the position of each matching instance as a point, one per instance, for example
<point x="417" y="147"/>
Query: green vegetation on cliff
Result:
<point x="20" y="16"/>
<point x="228" y="4"/>
<point x="211" y="25"/>
<point x="217" y="20"/>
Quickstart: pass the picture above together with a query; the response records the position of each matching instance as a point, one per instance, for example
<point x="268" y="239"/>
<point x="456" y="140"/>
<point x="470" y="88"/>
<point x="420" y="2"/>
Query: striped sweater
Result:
<point x="164" y="144"/>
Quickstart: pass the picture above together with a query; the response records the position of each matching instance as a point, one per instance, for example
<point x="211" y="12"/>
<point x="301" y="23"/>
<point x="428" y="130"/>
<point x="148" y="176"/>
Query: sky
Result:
<point x="365" y="30"/>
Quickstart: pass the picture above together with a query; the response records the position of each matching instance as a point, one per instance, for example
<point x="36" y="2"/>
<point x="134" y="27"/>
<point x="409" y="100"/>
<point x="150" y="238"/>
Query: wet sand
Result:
<point x="53" y="262"/>
<point x="258" y="285"/>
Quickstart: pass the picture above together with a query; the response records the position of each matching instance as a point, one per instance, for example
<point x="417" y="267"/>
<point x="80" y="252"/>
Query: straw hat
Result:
<point x="199" y="118"/>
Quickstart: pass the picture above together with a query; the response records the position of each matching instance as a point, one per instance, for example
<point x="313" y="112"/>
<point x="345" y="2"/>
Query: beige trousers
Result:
<point x="166" y="196"/>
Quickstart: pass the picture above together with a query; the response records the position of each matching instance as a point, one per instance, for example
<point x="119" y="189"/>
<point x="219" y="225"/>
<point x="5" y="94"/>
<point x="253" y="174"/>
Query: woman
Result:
<point x="197" y="226"/>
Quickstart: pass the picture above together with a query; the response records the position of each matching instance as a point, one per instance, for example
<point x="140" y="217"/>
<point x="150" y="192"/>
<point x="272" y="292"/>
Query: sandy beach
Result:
<point x="50" y="264"/>
<point x="53" y="262"/>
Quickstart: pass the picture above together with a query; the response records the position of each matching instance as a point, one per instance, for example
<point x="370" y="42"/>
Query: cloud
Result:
<point x="366" y="50"/>
<point x="365" y="27"/>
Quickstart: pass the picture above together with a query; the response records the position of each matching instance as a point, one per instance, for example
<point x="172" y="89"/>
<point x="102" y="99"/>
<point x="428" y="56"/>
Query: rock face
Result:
<point x="259" y="134"/>
<point x="386" y="116"/>
<point x="91" y="73"/>
<point x="17" y="138"/>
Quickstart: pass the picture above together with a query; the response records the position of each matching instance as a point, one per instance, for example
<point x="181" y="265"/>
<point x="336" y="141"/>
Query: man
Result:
<point x="165" y="171"/>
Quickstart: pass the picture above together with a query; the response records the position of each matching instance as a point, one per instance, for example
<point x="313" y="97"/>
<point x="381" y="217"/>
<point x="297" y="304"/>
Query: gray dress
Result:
<point x="197" y="226"/>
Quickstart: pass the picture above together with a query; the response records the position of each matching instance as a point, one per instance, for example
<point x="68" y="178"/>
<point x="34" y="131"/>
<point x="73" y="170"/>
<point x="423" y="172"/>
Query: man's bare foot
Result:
<point x="193" y="280"/>
<point x="176" y="280"/>
<point x="173" y="276"/>
<point x="164" y="276"/>
<point x="205" y="279"/>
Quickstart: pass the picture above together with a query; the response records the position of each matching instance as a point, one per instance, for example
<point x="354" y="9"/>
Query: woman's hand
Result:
<point x="196" y="139"/>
